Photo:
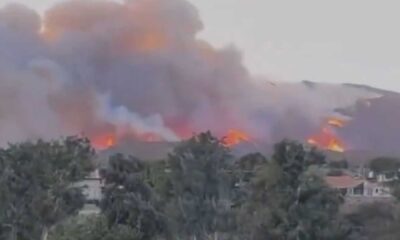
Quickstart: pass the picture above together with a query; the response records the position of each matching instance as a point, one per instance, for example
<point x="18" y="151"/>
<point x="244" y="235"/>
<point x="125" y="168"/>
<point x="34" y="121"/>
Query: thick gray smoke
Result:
<point x="95" y="66"/>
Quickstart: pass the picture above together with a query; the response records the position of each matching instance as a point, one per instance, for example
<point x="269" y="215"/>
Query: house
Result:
<point x="92" y="189"/>
<point x="358" y="187"/>
<point x="376" y="189"/>
<point x="387" y="177"/>
<point x="93" y="185"/>
<point x="389" y="174"/>
<point x="347" y="185"/>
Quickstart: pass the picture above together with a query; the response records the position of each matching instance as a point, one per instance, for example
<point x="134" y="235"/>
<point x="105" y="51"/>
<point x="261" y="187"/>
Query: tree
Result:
<point x="385" y="165"/>
<point x="129" y="201"/>
<point x="37" y="185"/>
<point x="243" y="172"/>
<point x="156" y="175"/>
<point x="247" y="166"/>
<point x="92" y="228"/>
<point x="200" y="204"/>
<point x="290" y="200"/>
<point x="376" y="221"/>
<point x="337" y="165"/>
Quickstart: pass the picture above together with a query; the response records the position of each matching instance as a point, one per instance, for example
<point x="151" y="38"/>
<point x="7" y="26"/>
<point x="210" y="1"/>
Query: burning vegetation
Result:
<point x="235" y="137"/>
<point x="327" y="137"/>
<point x="104" y="142"/>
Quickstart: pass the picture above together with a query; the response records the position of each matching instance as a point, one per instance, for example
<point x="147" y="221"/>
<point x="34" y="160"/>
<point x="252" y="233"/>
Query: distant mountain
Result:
<point x="374" y="114"/>
<point x="373" y="129"/>
<point x="375" y="124"/>
<point x="369" y="88"/>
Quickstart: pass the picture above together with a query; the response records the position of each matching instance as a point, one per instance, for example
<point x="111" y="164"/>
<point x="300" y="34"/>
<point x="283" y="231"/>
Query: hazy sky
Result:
<point x="328" y="41"/>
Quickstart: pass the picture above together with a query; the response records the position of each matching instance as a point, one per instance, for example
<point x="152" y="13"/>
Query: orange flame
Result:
<point x="103" y="142"/>
<point x="235" y="137"/>
<point x="108" y="140"/>
<point x="327" y="138"/>
<point x="336" y="122"/>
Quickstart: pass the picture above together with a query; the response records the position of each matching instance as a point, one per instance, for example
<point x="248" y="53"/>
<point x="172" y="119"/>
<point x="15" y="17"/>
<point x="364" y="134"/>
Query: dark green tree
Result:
<point x="37" y="185"/>
<point x="247" y="166"/>
<point x="243" y="173"/>
<point x="200" y="204"/>
<point x="157" y="177"/>
<point x="379" y="220"/>
<point x="385" y="165"/>
<point x="129" y="201"/>
<point x="341" y="164"/>
<point x="290" y="200"/>
<point x="92" y="228"/>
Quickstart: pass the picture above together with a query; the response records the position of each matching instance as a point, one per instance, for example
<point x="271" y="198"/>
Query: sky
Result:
<point x="352" y="41"/>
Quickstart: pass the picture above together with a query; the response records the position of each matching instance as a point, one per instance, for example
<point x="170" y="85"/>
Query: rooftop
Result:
<point x="343" y="181"/>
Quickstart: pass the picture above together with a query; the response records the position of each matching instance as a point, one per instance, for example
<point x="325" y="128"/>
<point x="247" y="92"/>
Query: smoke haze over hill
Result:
<point x="137" y="69"/>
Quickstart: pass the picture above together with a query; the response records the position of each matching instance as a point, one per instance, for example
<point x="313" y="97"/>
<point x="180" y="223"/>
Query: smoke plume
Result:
<point x="138" y="68"/>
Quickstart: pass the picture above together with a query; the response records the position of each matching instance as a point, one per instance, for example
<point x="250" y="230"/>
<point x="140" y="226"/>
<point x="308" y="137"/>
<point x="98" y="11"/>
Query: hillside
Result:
<point x="372" y="131"/>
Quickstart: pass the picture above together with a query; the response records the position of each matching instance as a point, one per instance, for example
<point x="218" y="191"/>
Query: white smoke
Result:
<point x="127" y="122"/>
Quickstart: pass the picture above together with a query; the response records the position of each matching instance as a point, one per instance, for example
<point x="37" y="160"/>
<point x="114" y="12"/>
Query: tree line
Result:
<point x="199" y="192"/>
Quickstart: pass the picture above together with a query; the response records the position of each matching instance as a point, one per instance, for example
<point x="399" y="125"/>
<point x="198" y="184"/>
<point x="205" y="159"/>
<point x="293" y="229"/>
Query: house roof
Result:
<point x="341" y="182"/>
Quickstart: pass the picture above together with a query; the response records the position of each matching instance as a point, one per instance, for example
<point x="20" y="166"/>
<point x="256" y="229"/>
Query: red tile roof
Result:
<point x="341" y="182"/>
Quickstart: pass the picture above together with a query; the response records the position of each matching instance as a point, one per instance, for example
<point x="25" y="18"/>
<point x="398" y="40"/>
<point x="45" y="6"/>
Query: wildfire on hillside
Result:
<point x="327" y="137"/>
<point x="336" y="122"/>
<point x="105" y="141"/>
<point x="235" y="137"/>
<point x="108" y="140"/>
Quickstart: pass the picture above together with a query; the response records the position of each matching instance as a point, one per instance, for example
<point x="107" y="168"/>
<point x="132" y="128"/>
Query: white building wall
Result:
<point x="376" y="190"/>
<point x="92" y="189"/>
